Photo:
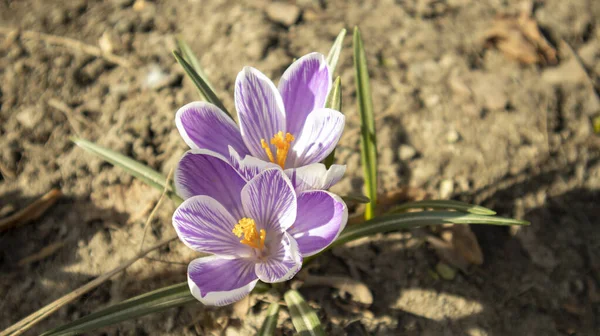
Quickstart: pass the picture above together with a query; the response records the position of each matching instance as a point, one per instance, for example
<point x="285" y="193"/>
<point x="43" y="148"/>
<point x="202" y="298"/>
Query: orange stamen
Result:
<point x="247" y="228"/>
<point x="282" y="143"/>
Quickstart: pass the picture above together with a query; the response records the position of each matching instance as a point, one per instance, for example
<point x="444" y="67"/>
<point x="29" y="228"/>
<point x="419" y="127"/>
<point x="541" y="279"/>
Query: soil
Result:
<point x="454" y="118"/>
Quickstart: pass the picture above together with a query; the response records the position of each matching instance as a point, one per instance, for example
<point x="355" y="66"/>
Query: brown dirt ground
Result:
<point x="517" y="138"/>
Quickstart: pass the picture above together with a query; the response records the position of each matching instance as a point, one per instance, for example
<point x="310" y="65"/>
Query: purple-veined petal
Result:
<point x="282" y="262"/>
<point x="304" y="87"/>
<point x="269" y="199"/>
<point x="204" y="126"/>
<point x="321" y="217"/>
<point x="249" y="166"/>
<point x="260" y="109"/>
<point x="218" y="281"/>
<point x="315" y="176"/>
<point x="319" y="137"/>
<point x="201" y="172"/>
<point x="204" y="225"/>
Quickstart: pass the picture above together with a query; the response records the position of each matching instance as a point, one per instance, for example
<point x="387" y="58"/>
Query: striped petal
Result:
<point x="304" y="87"/>
<point x="321" y="217"/>
<point x="204" y="126"/>
<point x="218" y="281"/>
<point x="283" y="262"/>
<point x="260" y="110"/>
<point x="204" y="225"/>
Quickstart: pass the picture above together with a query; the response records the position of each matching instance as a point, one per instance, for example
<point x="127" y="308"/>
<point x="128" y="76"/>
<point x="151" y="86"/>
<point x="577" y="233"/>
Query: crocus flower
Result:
<point x="257" y="229"/>
<point x="287" y="126"/>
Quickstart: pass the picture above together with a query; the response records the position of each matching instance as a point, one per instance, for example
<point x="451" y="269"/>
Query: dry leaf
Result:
<point x="32" y="211"/>
<point x="458" y="246"/>
<point x="465" y="242"/>
<point x="358" y="291"/>
<point x="447" y="252"/>
<point x="520" y="39"/>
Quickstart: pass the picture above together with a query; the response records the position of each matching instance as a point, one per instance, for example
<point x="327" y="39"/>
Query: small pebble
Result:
<point x="446" y="189"/>
<point x="452" y="137"/>
<point x="406" y="152"/>
<point x="284" y="13"/>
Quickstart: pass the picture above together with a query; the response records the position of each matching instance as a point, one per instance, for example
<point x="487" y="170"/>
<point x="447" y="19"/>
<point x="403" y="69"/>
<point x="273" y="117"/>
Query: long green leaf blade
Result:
<point x="148" y="303"/>
<point x="188" y="55"/>
<point x="444" y="204"/>
<point x="368" y="143"/>
<point x="395" y="222"/>
<point x="335" y="51"/>
<point x="138" y="170"/>
<point x="334" y="101"/>
<point x="305" y="320"/>
<point x="156" y="301"/>
<point x="356" y="199"/>
<point x="270" y="323"/>
<point x="202" y="86"/>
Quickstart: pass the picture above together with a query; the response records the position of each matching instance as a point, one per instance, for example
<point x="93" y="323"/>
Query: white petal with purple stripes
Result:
<point x="321" y="217"/>
<point x="199" y="171"/>
<point x="320" y="135"/>
<point x="315" y="176"/>
<point x="218" y="281"/>
<point x="304" y="87"/>
<point x="204" y="225"/>
<point x="269" y="199"/>
<point x="260" y="109"/>
<point x="204" y="126"/>
<point x="283" y="260"/>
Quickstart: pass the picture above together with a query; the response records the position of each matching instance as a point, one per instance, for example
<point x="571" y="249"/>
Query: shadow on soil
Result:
<point x="541" y="280"/>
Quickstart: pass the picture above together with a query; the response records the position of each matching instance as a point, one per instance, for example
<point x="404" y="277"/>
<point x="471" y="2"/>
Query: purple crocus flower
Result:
<point x="287" y="126"/>
<point x="257" y="229"/>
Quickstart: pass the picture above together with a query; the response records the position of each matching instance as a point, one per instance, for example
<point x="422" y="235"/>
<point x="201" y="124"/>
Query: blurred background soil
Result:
<point x="468" y="107"/>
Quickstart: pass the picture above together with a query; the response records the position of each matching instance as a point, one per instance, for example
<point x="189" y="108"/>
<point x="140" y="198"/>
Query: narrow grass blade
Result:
<point x="270" y="323"/>
<point x="188" y="55"/>
<point x="305" y="320"/>
<point x="395" y="222"/>
<point x="148" y="303"/>
<point x="444" y="204"/>
<point x="368" y="141"/>
<point x="202" y="86"/>
<point x="138" y="170"/>
<point x="335" y="51"/>
<point x="334" y="101"/>
<point x="356" y="199"/>
<point x="156" y="301"/>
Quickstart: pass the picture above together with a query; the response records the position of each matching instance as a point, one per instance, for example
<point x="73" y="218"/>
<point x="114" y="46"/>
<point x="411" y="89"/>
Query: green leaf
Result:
<point x="368" y="142"/>
<point x="156" y="301"/>
<point x="304" y="318"/>
<point x="200" y="83"/>
<point x="395" y="222"/>
<point x="148" y="303"/>
<point x="188" y="55"/>
<point x="335" y="51"/>
<point x="356" y="199"/>
<point x="444" y="204"/>
<point x="270" y="323"/>
<point x="334" y="101"/>
<point x="138" y="170"/>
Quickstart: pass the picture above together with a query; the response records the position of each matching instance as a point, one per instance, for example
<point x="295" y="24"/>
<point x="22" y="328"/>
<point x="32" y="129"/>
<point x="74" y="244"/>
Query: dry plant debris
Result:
<point x="519" y="38"/>
<point x="31" y="212"/>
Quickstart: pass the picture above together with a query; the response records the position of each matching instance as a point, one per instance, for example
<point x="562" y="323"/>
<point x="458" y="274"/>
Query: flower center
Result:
<point x="247" y="227"/>
<point x="282" y="143"/>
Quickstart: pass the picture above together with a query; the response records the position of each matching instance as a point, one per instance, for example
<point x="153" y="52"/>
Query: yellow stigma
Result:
<point x="247" y="228"/>
<point x="282" y="143"/>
